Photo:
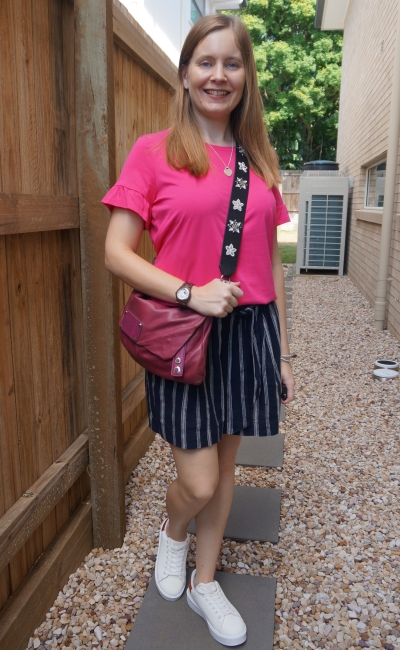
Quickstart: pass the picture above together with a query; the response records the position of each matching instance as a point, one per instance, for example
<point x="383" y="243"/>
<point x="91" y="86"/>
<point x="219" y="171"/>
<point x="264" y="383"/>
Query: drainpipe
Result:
<point x="390" y="189"/>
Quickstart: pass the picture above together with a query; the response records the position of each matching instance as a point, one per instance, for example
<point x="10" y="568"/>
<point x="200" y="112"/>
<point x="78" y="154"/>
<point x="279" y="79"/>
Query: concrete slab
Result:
<point x="261" y="452"/>
<point x="254" y="515"/>
<point x="161" y="625"/>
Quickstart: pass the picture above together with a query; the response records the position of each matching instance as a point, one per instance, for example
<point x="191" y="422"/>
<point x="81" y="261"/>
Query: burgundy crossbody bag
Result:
<point x="168" y="339"/>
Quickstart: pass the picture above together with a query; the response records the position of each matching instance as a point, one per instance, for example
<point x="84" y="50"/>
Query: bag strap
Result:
<point x="236" y="214"/>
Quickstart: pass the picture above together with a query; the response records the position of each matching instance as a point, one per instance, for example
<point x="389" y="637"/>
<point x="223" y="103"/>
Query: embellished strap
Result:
<point x="236" y="214"/>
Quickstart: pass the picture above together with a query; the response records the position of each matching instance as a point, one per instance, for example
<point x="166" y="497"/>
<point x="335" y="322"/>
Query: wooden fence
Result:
<point x="291" y="189"/>
<point x="80" y="82"/>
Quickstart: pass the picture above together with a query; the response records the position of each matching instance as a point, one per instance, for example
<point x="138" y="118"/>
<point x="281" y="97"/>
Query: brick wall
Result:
<point x="368" y="56"/>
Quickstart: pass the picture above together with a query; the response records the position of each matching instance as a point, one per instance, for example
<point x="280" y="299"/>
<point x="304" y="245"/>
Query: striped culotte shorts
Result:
<point x="241" y="392"/>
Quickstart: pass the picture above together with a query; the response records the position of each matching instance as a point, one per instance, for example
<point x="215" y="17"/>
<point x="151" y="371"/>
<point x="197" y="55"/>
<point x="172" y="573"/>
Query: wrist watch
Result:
<point x="183" y="294"/>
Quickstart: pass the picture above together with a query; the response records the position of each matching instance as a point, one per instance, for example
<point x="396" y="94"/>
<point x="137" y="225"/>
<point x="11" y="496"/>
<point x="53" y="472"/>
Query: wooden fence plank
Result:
<point x="10" y="168"/>
<point x="96" y="172"/>
<point x="5" y="587"/>
<point x="10" y="479"/>
<point x="43" y="60"/>
<point x="22" y="20"/>
<point x="19" y="522"/>
<point x="20" y="213"/>
<point x="134" y="40"/>
<point x="136" y="447"/>
<point x="132" y="395"/>
<point x="18" y="617"/>
<point x="22" y="362"/>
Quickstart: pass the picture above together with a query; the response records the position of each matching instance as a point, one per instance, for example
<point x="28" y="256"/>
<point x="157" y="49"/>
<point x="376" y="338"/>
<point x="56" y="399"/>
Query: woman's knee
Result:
<point x="198" y="473"/>
<point x="200" y="490"/>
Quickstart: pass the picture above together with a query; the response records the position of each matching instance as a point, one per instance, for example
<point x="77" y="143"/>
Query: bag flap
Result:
<point x="162" y="327"/>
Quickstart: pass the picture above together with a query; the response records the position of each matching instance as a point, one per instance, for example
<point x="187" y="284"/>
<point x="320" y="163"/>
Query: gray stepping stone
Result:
<point x="254" y="515"/>
<point x="282" y="418"/>
<point x="162" y="625"/>
<point x="261" y="452"/>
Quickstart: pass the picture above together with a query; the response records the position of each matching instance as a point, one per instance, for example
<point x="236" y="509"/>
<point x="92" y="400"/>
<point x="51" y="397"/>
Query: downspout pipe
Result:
<point x="390" y="189"/>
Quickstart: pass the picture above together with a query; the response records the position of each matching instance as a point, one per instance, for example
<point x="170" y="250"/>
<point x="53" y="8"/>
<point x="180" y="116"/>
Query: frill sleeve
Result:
<point x="135" y="189"/>
<point x="120" y="196"/>
<point x="281" y="214"/>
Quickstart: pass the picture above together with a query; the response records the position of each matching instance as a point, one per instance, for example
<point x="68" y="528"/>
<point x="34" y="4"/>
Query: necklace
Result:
<point x="227" y="169"/>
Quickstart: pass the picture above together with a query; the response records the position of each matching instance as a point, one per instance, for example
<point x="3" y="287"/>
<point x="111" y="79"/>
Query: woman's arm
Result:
<point x="125" y="230"/>
<point x="279" y="281"/>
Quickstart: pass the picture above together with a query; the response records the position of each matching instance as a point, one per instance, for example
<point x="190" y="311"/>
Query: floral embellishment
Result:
<point x="241" y="150"/>
<point x="243" y="167"/>
<point x="234" y="226"/>
<point x="237" y="205"/>
<point x="230" y="250"/>
<point x="241" y="183"/>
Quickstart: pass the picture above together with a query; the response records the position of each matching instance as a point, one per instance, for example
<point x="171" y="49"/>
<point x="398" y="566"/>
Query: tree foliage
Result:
<point x="299" y="70"/>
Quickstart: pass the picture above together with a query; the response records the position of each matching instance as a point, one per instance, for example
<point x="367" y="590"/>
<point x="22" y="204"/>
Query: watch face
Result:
<point x="183" y="294"/>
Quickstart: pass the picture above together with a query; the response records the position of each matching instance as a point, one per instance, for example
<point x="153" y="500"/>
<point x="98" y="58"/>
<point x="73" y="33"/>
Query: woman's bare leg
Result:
<point x="198" y="473"/>
<point x="211" y="520"/>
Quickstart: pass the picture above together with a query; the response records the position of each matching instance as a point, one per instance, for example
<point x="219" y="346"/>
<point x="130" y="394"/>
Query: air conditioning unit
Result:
<point x="323" y="204"/>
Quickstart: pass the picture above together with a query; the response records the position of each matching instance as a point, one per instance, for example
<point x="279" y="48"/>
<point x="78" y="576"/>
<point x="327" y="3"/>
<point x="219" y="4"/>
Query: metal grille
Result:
<point x="323" y="226"/>
<point x="305" y="235"/>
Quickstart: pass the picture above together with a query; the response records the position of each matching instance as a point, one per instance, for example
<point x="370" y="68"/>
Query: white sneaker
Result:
<point x="170" y="572"/>
<point x="224" y="621"/>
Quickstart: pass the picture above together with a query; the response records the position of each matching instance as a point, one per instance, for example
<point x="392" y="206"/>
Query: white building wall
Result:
<point x="168" y="22"/>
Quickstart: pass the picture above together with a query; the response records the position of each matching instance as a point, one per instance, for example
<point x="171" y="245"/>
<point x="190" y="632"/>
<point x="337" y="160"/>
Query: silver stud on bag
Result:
<point x="177" y="370"/>
<point x="178" y="360"/>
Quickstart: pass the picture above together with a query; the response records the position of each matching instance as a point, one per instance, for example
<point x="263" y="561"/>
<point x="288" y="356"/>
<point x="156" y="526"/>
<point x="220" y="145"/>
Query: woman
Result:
<point x="177" y="184"/>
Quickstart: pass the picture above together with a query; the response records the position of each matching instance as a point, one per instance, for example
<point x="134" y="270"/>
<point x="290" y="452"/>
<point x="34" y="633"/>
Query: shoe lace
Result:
<point x="175" y="560"/>
<point x="219" y="602"/>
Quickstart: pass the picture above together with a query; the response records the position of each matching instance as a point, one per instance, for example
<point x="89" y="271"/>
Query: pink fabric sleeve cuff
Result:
<point x="282" y="215"/>
<point x="120" y="196"/>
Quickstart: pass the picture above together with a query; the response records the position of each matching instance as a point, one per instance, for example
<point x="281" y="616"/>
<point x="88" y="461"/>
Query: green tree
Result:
<point x="299" y="69"/>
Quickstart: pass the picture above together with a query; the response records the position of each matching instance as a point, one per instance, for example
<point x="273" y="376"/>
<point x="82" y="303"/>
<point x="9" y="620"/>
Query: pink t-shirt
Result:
<point x="186" y="217"/>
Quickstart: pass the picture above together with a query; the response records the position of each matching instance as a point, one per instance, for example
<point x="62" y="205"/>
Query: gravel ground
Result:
<point x="337" y="560"/>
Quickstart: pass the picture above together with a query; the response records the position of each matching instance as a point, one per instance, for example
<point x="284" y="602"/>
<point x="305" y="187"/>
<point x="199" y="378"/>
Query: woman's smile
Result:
<point x="217" y="93"/>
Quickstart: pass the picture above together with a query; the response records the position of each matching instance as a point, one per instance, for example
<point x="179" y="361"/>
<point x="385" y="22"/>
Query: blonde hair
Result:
<point x="185" y="146"/>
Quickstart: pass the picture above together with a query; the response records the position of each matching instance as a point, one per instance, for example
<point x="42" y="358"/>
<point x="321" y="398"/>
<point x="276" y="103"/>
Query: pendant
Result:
<point x="228" y="171"/>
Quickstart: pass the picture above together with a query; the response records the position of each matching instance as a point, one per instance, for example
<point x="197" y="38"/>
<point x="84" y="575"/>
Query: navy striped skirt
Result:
<point x="241" y="392"/>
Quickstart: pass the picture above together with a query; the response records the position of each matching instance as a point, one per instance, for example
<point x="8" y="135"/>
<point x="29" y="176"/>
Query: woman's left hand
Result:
<point x="287" y="379"/>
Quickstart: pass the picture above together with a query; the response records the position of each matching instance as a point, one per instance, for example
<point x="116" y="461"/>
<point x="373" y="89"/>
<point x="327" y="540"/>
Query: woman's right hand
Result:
<point x="215" y="298"/>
